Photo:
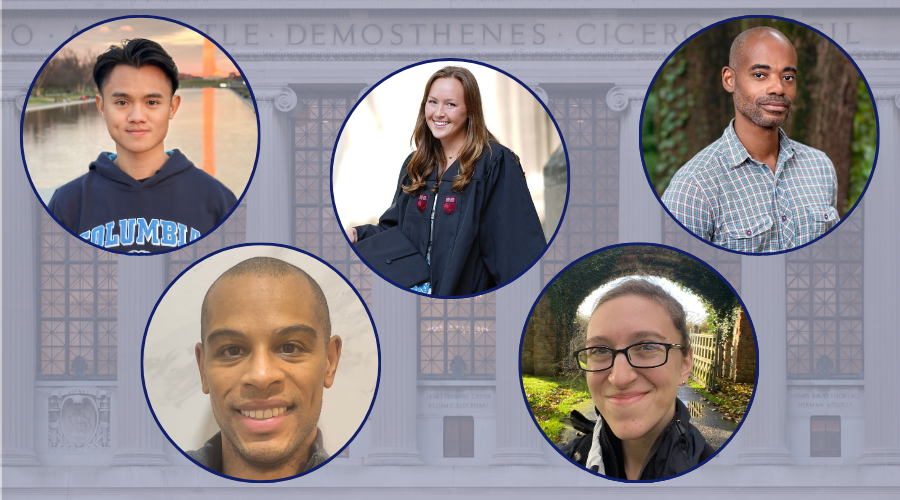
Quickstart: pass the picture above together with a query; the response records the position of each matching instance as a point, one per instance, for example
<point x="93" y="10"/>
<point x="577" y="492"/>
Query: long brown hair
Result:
<point x="428" y="151"/>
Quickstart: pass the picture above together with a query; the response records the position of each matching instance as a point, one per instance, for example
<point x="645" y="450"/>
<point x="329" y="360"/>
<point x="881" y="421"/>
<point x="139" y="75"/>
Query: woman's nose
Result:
<point x="622" y="373"/>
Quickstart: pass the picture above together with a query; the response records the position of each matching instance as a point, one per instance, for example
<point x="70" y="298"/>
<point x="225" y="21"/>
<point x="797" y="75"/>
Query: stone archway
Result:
<point x="552" y="323"/>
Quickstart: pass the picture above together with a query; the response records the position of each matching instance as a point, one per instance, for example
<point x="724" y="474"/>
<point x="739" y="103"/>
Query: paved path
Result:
<point x="709" y="422"/>
<point x="35" y="107"/>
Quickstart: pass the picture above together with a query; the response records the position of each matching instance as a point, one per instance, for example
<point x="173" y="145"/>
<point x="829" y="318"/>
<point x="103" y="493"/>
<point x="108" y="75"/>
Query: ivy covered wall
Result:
<point x="554" y="324"/>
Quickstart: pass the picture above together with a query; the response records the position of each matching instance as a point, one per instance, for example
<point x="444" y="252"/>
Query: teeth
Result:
<point x="264" y="414"/>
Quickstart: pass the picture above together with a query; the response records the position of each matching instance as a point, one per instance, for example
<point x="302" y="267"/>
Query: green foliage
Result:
<point x="570" y="288"/>
<point x="552" y="398"/>
<point x="720" y="321"/>
<point x="865" y="133"/>
<point x="665" y="116"/>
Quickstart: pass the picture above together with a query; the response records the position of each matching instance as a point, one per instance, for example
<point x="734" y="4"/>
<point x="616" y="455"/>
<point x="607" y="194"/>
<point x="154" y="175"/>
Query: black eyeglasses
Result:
<point x="640" y="355"/>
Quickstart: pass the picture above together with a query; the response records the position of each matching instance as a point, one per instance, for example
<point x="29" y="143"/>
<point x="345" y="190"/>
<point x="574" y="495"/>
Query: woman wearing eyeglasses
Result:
<point x="637" y="354"/>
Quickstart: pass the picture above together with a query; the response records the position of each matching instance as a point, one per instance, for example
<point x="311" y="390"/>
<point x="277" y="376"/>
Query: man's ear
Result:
<point x="332" y="358"/>
<point x="99" y="100"/>
<point x="198" y="353"/>
<point x="728" y="79"/>
<point x="176" y="101"/>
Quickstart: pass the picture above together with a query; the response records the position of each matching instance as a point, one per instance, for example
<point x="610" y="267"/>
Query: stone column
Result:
<point x="394" y="417"/>
<point x="20" y="211"/>
<point x="140" y="280"/>
<point x="639" y="211"/>
<point x="518" y="440"/>
<point x="881" y="274"/>
<point x="763" y="289"/>
<point x="269" y="202"/>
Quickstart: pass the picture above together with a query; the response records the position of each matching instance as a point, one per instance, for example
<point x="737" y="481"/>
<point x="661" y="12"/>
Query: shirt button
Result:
<point x="826" y="216"/>
<point x="784" y="217"/>
<point x="749" y="232"/>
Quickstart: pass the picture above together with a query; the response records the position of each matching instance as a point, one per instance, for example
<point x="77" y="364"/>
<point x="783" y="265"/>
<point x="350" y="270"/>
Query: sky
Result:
<point x="691" y="303"/>
<point x="183" y="44"/>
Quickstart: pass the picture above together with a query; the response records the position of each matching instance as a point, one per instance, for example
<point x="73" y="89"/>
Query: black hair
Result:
<point x="275" y="268"/>
<point x="136" y="53"/>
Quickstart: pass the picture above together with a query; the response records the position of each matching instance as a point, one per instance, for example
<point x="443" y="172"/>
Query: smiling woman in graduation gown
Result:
<point x="485" y="229"/>
<point x="483" y="237"/>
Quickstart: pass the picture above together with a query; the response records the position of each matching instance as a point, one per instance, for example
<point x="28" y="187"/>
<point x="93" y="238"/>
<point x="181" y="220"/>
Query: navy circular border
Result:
<point x="562" y="143"/>
<point x="377" y="346"/>
<point x="522" y="345"/>
<point x="25" y="107"/>
<point x="874" y="109"/>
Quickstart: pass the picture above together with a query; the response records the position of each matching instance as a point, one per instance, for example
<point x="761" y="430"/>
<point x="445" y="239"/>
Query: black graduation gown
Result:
<point x="483" y="237"/>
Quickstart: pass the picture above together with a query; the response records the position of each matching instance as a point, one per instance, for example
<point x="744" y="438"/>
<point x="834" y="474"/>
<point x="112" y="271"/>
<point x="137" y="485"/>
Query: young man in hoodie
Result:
<point x="143" y="198"/>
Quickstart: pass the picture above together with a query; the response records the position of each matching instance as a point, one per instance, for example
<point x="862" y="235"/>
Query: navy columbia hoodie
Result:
<point x="173" y="207"/>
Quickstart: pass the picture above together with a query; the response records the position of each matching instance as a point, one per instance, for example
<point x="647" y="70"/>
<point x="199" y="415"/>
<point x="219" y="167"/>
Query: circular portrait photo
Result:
<point x="759" y="135"/>
<point x="139" y="135"/>
<point x="260" y="363"/>
<point x="449" y="178"/>
<point x="639" y="362"/>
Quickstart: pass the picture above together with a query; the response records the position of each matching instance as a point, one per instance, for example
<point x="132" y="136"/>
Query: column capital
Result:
<point x="540" y="92"/>
<point x="15" y="96"/>
<point x="282" y="97"/>
<point x="886" y="94"/>
<point x="619" y="97"/>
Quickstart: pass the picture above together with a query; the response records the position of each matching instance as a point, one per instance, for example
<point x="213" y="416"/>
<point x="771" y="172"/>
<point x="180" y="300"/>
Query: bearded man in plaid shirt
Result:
<point x="755" y="190"/>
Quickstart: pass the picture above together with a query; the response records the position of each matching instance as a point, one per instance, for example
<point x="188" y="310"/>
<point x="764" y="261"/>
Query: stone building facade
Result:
<point x="449" y="416"/>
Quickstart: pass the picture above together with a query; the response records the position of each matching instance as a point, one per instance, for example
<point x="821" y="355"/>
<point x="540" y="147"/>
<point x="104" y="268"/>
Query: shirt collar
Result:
<point x="736" y="154"/>
<point x="317" y="453"/>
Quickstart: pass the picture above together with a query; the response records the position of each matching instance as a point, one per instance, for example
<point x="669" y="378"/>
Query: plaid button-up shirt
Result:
<point x="729" y="199"/>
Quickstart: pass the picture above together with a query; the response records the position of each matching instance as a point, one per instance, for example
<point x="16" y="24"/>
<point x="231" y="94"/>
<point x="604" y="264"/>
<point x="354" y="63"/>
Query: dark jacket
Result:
<point x="210" y="455"/>
<point x="483" y="237"/>
<point x="173" y="207"/>
<point x="679" y="448"/>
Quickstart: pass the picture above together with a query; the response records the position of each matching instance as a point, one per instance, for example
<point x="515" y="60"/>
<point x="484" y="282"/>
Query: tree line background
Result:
<point x="687" y="108"/>
<point x="67" y="73"/>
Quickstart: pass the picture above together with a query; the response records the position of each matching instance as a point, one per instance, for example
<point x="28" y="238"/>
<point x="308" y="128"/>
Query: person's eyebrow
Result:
<point x="760" y="66"/>
<point x="224" y="333"/>
<point x="239" y="335"/>
<point x="301" y="328"/>
<point x="789" y="69"/>
<point x="632" y="338"/>
<point x="156" y="95"/>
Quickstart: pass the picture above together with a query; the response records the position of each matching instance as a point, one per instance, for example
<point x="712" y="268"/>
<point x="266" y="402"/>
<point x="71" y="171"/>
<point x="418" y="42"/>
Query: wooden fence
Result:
<point x="704" y="369"/>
